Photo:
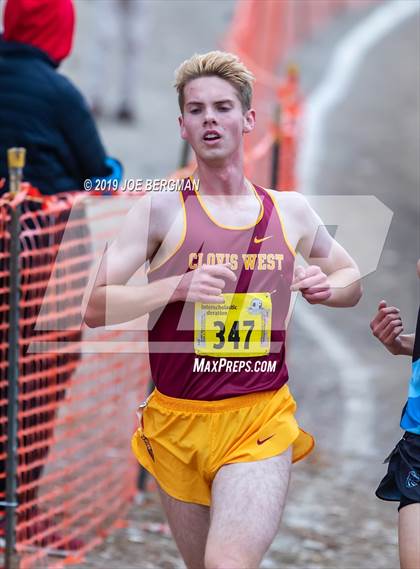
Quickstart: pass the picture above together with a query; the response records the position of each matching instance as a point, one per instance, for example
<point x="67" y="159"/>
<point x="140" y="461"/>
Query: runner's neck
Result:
<point x="227" y="181"/>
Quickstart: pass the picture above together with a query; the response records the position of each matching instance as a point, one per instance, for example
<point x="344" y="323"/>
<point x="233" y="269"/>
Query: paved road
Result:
<point x="372" y="147"/>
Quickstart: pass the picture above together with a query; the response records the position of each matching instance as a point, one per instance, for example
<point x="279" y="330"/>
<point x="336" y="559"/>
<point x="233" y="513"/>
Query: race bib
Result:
<point x="241" y="327"/>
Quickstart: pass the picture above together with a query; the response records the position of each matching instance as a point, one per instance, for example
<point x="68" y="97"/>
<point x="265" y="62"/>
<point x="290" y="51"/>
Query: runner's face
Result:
<point x="213" y="121"/>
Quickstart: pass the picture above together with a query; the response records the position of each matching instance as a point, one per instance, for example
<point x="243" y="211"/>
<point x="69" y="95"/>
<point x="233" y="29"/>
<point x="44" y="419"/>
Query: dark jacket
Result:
<point x="39" y="108"/>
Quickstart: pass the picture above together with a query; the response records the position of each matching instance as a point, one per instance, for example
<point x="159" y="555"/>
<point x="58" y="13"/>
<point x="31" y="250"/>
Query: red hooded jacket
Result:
<point x="45" y="24"/>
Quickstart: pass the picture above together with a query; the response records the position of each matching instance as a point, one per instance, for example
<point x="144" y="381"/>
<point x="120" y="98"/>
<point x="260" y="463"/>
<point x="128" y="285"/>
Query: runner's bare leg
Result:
<point x="247" y="504"/>
<point x="189" y="524"/>
<point x="409" y="536"/>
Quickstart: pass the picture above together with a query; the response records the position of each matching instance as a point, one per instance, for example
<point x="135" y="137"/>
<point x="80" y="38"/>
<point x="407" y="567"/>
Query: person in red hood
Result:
<point x="41" y="109"/>
<point x="45" y="24"/>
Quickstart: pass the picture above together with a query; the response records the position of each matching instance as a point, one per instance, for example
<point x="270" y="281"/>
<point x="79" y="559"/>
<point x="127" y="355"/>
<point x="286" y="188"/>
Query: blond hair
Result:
<point x="221" y="64"/>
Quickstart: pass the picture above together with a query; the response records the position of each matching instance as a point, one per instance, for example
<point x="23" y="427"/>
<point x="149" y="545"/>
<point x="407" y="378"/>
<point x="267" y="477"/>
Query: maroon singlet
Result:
<point x="176" y="368"/>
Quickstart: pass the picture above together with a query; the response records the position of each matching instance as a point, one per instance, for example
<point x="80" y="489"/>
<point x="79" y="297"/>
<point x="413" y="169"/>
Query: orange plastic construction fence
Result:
<point x="76" y="474"/>
<point x="263" y="34"/>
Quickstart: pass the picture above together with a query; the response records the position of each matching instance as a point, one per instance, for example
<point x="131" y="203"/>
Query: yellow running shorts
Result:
<point x="184" y="442"/>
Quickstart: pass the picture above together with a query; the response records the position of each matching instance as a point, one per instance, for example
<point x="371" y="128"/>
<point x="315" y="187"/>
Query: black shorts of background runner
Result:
<point x="402" y="480"/>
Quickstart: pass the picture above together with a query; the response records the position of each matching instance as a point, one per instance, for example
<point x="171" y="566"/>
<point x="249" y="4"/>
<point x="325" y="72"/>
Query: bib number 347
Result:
<point x="240" y="327"/>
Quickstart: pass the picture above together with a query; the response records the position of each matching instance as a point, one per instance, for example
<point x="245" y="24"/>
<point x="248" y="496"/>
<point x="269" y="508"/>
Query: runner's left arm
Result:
<point x="332" y="277"/>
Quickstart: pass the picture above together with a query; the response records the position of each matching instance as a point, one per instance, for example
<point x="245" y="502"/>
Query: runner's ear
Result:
<point x="182" y="128"/>
<point x="249" y="121"/>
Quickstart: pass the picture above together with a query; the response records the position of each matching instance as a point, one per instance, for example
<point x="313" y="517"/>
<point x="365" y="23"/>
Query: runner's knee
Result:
<point x="220" y="558"/>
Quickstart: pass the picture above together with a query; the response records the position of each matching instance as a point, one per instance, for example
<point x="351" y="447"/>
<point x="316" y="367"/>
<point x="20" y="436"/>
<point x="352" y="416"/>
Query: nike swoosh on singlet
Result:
<point x="264" y="440"/>
<point x="257" y="240"/>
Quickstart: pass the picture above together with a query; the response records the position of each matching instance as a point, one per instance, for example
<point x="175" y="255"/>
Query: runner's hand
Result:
<point x="387" y="327"/>
<point x="205" y="284"/>
<point x="312" y="283"/>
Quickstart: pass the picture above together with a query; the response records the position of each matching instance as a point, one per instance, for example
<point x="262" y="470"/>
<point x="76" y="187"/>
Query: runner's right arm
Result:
<point x="112" y="301"/>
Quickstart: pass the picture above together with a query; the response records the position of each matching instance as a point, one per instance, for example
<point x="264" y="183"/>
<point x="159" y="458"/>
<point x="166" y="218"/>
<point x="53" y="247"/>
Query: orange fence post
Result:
<point x="276" y="149"/>
<point x="16" y="160"/>
<point x="291" y="104"/>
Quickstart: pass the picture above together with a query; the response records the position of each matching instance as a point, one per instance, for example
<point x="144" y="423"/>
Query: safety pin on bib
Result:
<point x="139" y="413"/>
<point x="140" y="410"/>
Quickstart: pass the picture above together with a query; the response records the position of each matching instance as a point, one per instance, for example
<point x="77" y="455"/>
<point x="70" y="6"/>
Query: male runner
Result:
<point x="219" y="432"/>
<point x="402" y="480"/>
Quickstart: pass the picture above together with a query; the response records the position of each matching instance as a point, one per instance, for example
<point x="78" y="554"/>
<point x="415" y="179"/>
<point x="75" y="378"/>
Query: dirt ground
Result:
<point x="332" y="519"/>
